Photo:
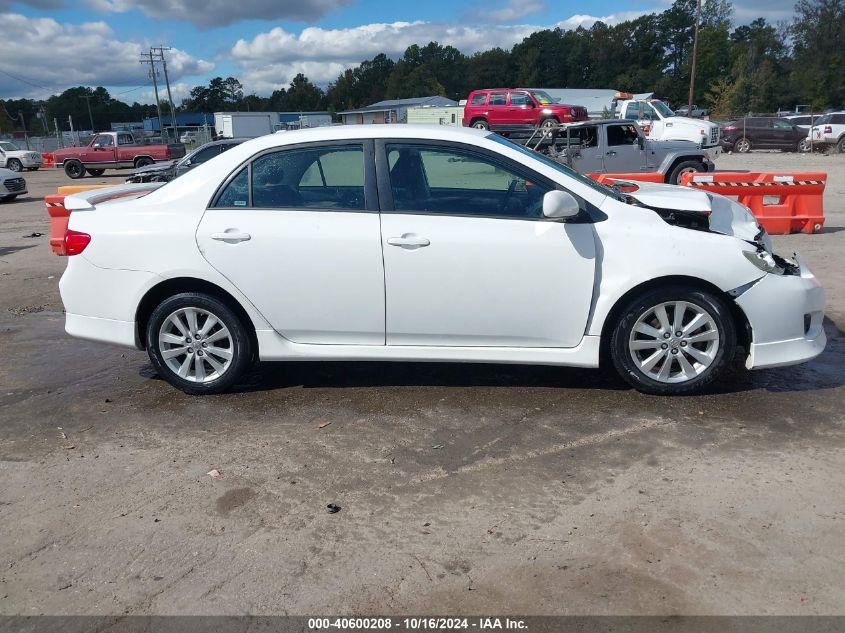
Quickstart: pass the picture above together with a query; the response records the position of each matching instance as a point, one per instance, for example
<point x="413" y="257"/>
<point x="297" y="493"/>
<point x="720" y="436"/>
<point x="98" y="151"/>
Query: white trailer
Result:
<point x="245" y="124"/>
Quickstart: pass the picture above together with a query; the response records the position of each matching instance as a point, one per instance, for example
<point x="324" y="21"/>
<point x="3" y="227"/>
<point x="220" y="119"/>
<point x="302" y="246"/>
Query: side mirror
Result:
<point x="560" y="205"/>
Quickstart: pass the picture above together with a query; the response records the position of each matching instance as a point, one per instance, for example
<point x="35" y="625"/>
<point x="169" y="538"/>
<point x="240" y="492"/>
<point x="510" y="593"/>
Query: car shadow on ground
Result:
<point x="827" y="371"/>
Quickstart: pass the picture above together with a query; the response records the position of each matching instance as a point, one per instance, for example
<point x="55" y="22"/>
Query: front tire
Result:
<point x="198" y="344"/>
<point x="480" y="124"/>
<point x="74" y="169"/>
<point x="549" y="123"/>
<point x="687" y="166"/>
<point x="96" y="172"/>
<point x="673" y="341"/>
<point x="15" y="165"/>
<point x="742" y="146"/>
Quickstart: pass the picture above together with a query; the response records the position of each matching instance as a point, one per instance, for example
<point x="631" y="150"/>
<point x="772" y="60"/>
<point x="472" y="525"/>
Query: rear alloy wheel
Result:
<point x="96" y="172"/>
<point x="480" y="124"/>
<point x="197" y="343"/>
<point x="143" y="162"/>
<point x="841" y="145"/>
<point x="673" y="341"/>
<point x="742" y="146"/>
<point x="14" y="164"/>
<point x="685" y="167"/>
<point x="74" y="169"/>
<point x="804" y="145"/>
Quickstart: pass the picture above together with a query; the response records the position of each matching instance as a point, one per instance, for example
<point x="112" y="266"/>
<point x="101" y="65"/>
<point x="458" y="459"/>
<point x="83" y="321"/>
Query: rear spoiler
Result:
<point x="87" y="200"/>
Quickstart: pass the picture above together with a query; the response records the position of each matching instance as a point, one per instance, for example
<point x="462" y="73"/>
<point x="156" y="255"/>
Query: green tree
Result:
<point x="818" y="33"/>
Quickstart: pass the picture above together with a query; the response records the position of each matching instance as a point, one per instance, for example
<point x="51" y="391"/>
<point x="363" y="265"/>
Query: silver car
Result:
<point x="12" y="185"/>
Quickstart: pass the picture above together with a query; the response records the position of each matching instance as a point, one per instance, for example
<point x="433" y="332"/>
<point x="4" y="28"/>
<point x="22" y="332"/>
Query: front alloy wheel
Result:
<point x="743" y="145"/>
<point x="673" y="341"/>
<point x="197" y="343"/>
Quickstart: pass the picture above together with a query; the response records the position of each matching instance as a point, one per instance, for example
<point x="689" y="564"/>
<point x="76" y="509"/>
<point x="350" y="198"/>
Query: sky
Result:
<point x="52" y="45"/>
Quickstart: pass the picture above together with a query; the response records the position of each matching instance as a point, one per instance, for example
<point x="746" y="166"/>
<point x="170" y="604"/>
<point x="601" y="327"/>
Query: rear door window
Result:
<point x="520" y="99"/>
<point x="625" y="134"/>
<point x="318" y="178"/>
<point x="479" y="99"/>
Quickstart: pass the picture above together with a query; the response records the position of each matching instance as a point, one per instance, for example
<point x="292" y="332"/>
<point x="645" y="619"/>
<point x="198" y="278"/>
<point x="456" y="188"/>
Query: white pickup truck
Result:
<point x="661" y="124"/>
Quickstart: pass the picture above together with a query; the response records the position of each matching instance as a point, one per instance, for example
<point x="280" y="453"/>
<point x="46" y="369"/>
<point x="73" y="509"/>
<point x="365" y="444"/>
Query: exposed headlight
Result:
<point x="762" y="260"/>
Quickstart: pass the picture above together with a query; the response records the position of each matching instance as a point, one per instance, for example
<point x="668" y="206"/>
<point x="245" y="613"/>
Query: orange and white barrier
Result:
<point x="799" y="197"/>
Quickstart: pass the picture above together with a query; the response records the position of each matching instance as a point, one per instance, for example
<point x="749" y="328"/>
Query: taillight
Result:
<point x="76" y="241"/>
<point x="729" y="128"/>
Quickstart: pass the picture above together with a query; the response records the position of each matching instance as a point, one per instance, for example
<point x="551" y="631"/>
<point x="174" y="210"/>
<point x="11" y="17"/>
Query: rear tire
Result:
<point x="143" y="162"/>
<point x="198" y="344"/>
<point x="641" y="349"/>
<point x="74" y="169"/>
<point x="96" y="172"/>
<point x="804" y="146"/>
<point x="841" y="145"/>
<point x="684" y="167"/>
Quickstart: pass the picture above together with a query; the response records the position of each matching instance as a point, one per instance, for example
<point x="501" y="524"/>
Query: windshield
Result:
<point x="662" y="108"/>
<point x="9" y="147"/>
<point x="563" y="169"/>
<point x="543" y="98"/>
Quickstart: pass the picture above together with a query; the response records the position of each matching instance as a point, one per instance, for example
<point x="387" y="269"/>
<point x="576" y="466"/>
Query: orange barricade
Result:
<point x="59" y="217"/>
<point x="798" y="207"/>
<point x="49" y="161"/>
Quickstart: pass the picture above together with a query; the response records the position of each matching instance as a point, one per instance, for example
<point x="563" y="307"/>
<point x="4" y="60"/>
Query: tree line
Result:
<point x="757" y="67"/>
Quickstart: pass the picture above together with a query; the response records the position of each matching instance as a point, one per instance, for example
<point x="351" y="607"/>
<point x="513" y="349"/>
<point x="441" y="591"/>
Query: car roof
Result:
<point x="365" y="131"/>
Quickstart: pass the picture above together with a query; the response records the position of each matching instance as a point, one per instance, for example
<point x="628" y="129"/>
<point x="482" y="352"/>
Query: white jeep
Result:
<point x="17" y="159"/>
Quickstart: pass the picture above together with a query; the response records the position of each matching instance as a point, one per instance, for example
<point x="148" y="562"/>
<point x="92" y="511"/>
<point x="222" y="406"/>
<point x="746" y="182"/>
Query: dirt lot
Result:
<point x="464" y="489"/>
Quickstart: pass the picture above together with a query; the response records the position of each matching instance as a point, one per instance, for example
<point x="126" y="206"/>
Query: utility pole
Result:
<point x="694" y="55"/>
<point x="59" y="142"/>
<point x="148" y="59"/>
<point x="23" y="125"/>
<point x="90" y="116"/>
<point x="161" y="50"/>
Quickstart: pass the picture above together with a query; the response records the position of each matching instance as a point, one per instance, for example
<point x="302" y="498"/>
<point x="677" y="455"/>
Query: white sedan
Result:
<point x="410" y="243"/>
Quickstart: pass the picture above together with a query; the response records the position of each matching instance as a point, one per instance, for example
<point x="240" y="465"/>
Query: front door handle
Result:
<point x="231" y="236"/>
<point x="409" y="240"/>
<point x="611" y="153"/>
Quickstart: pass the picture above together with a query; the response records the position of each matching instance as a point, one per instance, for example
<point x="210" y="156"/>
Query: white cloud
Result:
<point x="211" y="13"/>
<point x="514" y="10"/>
<point x="59" y="56"/>
<point x="271" y="59"/>
<point x="179" y="91"/>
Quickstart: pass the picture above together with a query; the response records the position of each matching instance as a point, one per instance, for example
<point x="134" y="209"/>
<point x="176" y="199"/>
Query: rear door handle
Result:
<point x="409" y="240"/>
<point x="231" y="236"/>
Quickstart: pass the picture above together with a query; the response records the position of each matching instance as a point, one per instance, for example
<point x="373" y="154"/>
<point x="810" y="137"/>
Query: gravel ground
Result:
<point x="463" y="489"/>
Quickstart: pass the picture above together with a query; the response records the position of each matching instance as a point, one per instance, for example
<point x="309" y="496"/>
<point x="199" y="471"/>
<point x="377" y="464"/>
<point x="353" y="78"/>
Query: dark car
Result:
<point x="168" y="170"/>
<point x="760" y="132"/>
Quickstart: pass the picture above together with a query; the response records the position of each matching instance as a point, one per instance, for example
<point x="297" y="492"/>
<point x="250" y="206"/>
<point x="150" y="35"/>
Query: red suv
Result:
<point x="515" y="109"/>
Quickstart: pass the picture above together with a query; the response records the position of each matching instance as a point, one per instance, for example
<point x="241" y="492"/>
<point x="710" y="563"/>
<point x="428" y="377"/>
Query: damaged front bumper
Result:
<point x="785" y="312"/>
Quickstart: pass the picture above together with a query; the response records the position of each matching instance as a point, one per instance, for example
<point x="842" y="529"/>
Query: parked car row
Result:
<point x="114" y="150"/>
<point x="792" y="133"/>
